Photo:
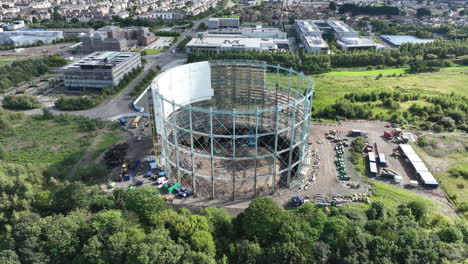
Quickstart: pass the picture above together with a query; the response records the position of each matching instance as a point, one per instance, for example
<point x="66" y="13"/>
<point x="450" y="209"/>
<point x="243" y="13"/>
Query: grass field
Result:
<point x="3" y="62"/>
<point x="455" y="68"/>
<point x="384" y="72"/>
<point x="152" y="51"/>
<point x="329" y="89"/>
<point x="366" y="73"/>
<point x="45" y="143"/>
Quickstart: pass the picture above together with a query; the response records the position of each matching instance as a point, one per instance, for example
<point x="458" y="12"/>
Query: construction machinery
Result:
<point x="296" y="201"/>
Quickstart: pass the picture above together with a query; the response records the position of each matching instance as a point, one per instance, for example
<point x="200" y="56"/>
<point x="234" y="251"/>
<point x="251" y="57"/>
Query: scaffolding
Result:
<point x="240" y="132"/>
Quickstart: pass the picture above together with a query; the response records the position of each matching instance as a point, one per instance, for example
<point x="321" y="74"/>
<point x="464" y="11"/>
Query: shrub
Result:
<point x="21" y="102"/>
<point x="74" y="103"/>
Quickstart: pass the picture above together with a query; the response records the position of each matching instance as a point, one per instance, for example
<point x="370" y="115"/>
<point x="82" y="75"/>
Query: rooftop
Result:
<point x="398" y="40"/>
<point x="107" y="58"/>
<point x="316" y="41"/>
<point x="307" y="26"/>
<point x="357" y="42"/>
<point x="249" y="43"/>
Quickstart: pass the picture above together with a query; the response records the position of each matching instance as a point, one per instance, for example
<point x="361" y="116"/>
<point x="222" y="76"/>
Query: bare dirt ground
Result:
<point x="138" y="150"/>
<point x="39" y="51"/>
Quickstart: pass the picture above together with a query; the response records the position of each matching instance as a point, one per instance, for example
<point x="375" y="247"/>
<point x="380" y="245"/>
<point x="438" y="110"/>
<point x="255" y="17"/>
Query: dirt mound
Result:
<point x="116" y="155"/>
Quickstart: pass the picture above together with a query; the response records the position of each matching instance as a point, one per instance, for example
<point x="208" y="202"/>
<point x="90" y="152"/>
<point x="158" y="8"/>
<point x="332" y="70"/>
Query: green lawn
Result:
<point x="383" y="71"/>
<point x="455" y="68"/>
<point x="366" y="73"/>
<point x="3" y="62"/>
<point x="152" y="51"/>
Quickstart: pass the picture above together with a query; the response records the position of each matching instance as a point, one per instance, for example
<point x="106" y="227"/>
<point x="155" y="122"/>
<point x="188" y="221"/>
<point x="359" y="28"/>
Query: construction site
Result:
<point x="226" y="132"/>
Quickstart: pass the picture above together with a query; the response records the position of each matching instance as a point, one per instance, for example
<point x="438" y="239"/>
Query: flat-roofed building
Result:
<point x="100" y="69"/>
<point x="247" y="32"/>
<point x="356" y="43"/>
<point x="241" y="44"/>
<point x="398" y="40"/>
<point x="223" y="22"/>
<point x="310" y="34"/>
<point x="20" y="38"/>
<point x="99" y="42"/>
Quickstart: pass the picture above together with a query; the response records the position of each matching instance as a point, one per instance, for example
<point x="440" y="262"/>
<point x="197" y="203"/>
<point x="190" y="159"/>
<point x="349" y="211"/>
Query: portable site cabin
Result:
<point x="371" y="156"/>
<point x="397" y="179"/>
<point x="382" y="160"/>
<point x="372" y="169"/>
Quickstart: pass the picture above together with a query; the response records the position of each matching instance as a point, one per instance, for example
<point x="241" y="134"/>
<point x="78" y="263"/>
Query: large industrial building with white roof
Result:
<point x="21" y="38"/>
<point x="242" y="39"/>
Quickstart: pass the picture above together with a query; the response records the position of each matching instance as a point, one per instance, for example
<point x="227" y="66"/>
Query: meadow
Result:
<point x="58" y="142"/>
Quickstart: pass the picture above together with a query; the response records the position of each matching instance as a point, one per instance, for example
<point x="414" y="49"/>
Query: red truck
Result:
<point x="388" y="135"/>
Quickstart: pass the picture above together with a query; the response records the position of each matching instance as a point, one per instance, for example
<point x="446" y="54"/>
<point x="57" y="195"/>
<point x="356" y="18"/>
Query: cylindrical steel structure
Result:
<point x="232" y="129"/>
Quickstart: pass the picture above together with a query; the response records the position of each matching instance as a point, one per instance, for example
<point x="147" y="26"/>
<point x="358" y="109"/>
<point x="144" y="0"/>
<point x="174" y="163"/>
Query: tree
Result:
<point x="377" y="211"/>
<point x="9" y="256"/>
<point x="261" y="220"/>
<point x="145" y="202"/>
<point x="247" y="252"/>
<point x="2" y="153"/>
<point x="423" y="12"/>
<point x="70" y="197"/>
<point x="202" y="241"/>
<point x="332" y="6"/>
<point x="418" y="209"/>
<point x="450" y="234"/>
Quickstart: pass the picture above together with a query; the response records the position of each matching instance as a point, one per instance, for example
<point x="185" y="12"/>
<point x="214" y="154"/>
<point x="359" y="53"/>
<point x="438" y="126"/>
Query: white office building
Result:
<point x="223" y="22"/>
<point x="100" y="69"/>
<point x="310" y="34"/>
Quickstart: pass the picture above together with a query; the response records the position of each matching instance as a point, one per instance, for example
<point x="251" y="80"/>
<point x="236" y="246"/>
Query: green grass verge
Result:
<point x="152" y="51"/>
<point x="456" y="68"/>
<point x="392" y="197"/>
<point x="3" y="62"/>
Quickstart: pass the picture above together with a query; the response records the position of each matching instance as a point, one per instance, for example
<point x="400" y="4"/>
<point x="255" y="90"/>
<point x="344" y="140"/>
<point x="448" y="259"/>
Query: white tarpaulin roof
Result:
<point x="427" y="178"/>
<point x="407" y="149"/>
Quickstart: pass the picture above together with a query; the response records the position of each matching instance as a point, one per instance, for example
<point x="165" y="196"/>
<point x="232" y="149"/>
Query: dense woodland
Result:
<point x="436" y="52"/>
<point x="76" y="224"/>
<point x="19" y="71"/>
